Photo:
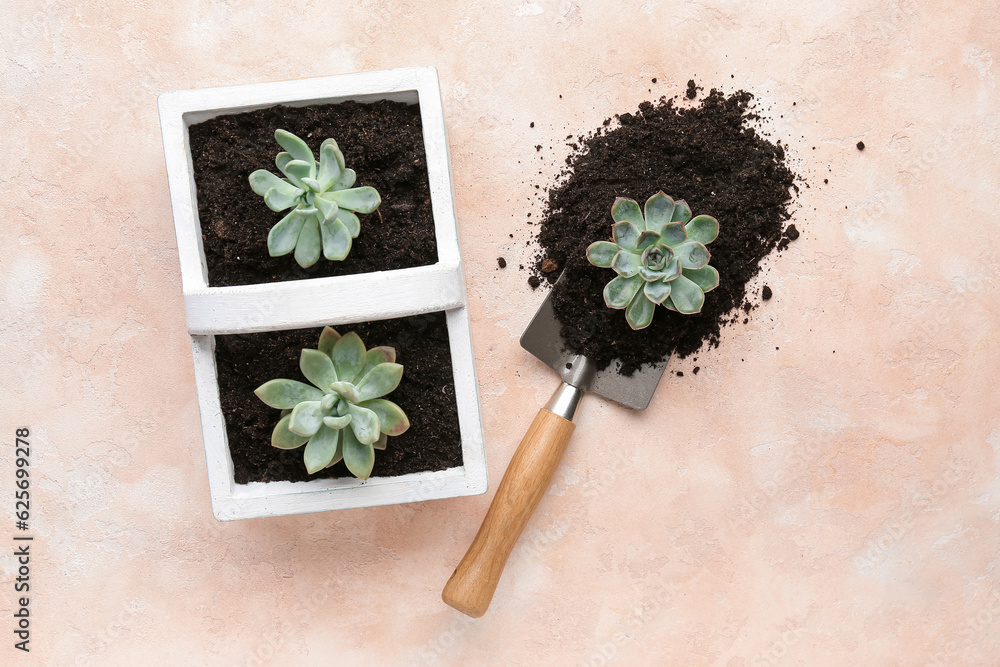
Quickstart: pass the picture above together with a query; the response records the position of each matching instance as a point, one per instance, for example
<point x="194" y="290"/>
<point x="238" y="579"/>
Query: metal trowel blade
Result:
<point x="542" y="339"/>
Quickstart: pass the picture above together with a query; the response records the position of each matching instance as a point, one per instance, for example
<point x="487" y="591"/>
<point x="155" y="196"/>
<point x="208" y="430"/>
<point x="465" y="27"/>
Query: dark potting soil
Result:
<point x="426" y="393"/>
<point x="382" y="142"/>
<point x="708" y="155"/>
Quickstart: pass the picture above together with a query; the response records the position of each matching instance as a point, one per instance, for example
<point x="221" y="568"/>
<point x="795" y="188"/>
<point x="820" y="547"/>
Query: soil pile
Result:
<point x="708" y="155"/>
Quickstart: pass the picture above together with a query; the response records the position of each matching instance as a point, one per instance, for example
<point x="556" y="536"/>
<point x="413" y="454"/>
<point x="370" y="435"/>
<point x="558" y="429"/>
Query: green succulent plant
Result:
<point x="325" y="203"/>
<point x="660" y="258"/>
<point x="342" y="414"/>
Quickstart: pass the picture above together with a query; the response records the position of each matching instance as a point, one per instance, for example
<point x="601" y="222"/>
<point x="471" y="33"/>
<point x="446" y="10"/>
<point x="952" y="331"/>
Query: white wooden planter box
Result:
<point x="321" y="301"/>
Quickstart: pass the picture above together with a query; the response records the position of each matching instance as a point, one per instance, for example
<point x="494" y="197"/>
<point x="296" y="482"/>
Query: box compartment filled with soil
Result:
<point x="426" y="393"/>
<point x="382" y="141"/>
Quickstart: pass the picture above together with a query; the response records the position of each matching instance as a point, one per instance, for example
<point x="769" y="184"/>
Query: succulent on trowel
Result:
<point x="324" y="201"/>
<point x="342" y="415"/>
<point x="660" y="258"/>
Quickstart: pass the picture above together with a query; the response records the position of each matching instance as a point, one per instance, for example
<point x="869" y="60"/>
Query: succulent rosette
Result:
<point x="342" y="414"/>
<point x="324" y="218"/>
<point x="659" y="253"/>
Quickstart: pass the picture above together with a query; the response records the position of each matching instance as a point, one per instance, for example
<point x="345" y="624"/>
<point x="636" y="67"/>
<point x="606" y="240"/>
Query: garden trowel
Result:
<point x="530" y="472"/>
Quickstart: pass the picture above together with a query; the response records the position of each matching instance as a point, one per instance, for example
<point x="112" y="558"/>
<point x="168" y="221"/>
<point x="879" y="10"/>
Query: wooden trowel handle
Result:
<point x="528" y="476"/>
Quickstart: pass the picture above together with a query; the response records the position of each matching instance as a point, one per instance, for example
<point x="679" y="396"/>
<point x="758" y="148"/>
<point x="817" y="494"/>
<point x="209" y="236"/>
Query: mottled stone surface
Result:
<point x="837" y="505"/>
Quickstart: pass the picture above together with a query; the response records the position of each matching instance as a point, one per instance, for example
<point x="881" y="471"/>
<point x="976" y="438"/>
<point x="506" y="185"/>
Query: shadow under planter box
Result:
<point x="249" y="315"/>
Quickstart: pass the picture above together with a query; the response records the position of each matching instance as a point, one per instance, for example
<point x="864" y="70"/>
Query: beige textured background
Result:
<point x="831" y="502"/>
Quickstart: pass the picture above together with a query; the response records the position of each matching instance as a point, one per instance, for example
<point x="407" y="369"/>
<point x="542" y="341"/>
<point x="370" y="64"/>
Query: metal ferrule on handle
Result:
<point x="564" y="401"/>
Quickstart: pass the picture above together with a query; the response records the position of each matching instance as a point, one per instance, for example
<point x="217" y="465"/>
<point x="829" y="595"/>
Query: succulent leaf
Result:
<point x="600" y="253"/>
<point x="361" y="200"/>
<point x="628" y="210"/>
<point x="346" y="180"/>
<point x="346" y="390"/>
<point x="331" y="164"/>
<point x="349" y="356"/>
<point x="379" y="381"/>
<point x="647" y="240"/>
<point x="364" y="423"/>
<point x="659" y="208"/>
<point x="281" y="160"/>
<point x="703" y="229"/>
<point x="283" y="236"/>
<point x="295" y="146"/>
<point x="278" y="199"/>
<point x="282" y="438"/>
<point x="262" y="180"/>
<point x="327" y="339"/>
<point x="312" y="184"/>
<point x="358" y="457"/>
<point x="318" y="368"/>
<point x="296" y="170"/>
<point x="321" y="449"/>
<point x="672" y="270"/>
<point x="651" y="275"/>
<point x="328" y="209"/>
<point x="686" y="296"/>
<point x="338" y="456"/>
<point x="620" y="291"/>
<point x="381" y="442"/>
<point x="338" y="422"/>
<point x="336" y="239"/>
<point x="707" y="278"/>
<point x="306" y="418"/>
<point x="350" y="221"/>
<point x="626" y="234"/>
<point x="376" y="356"/>
<point x="626" y="263"/>
<point x="309" y="245"/>
<point x="673" y="234"/>
<point x="391" y="418"/>
<point x="692" y="255"/>
<point x="682" y="212"/>
<point x="639" y="313"/>
<point x="286" y="394"/>
<point x="331" y="144"/>
<point x="657" y="291"/>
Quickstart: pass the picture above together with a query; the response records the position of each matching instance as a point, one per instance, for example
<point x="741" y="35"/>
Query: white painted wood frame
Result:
<point x="321" y="301"/>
